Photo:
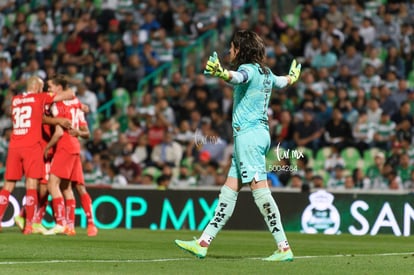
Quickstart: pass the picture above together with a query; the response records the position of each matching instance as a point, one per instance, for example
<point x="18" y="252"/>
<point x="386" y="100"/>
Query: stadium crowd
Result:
<point x="349" y="117"/>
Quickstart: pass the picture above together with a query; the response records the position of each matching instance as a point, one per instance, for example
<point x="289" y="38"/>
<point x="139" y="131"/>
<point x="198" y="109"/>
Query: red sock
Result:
<point x="86" y="202"/>
<point x="31" y="204"/>
<point x="70" y="212"/>
<point x="4" y="202"/>
<point x="40" y="212"/>
<point x="58" y="205"/>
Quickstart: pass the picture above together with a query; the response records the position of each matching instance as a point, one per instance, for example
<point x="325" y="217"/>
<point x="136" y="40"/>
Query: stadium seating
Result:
<point x="352" y="158"/>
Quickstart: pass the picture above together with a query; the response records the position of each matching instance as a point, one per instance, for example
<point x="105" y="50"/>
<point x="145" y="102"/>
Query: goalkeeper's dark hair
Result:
<point x="251" y="49"/>
<point x="61" y="80"/>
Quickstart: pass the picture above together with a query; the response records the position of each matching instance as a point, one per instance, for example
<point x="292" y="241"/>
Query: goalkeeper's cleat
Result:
<point x="92" y="231"/>
<point x="70" y="231"/>
<point x="58" y="229"/>
<point x="20" y="222"/>
<point x="38" y="228"/>
<point x="193" y="247"/>
<point x="27" y="230"/>
<point x="280" y="256"/>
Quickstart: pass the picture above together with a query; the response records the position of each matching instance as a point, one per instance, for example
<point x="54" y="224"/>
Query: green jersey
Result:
<point x="251" y="97"/>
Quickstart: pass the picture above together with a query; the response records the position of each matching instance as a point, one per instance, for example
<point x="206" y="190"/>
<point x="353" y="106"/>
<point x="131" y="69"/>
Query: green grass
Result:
<point x="140" y="251"/>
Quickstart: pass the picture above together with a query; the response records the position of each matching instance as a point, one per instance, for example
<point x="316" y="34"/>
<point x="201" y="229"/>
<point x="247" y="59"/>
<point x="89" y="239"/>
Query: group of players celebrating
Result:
<point x="45" y="149"/>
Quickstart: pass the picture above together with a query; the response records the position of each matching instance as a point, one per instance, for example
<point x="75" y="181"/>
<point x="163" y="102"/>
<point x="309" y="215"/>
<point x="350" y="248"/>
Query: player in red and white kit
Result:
<point x="66" y="166"/>
<point x="25" y="156"/>
<point x="47" y="129"/>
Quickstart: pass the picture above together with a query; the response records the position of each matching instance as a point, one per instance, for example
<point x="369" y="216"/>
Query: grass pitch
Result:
<point x="141" y="251"/>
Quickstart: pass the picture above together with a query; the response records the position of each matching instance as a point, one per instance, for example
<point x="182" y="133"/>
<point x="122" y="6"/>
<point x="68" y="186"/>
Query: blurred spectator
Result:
<point x="375" y="172"/>
<point x="295" y="181"/>
<point x="142" y="151"/>
<point x="384" y="132"/>
<point x="394" y="181"/>
<point x="317" y="182"/>
<point x="116" y="149"/>
<point x="335" y="15"/>
<point x="374" y="111"/>
<point x="387" y="104"/>
<point x="401" y="93"/>
<point x="307" y="132"/>
<point x="283" y="130"/>
<point x="162" y="107"/>
<point x="162" y="45"/>
<point x="133" y="73"/>
<point x="163" y="182"/>
<point x="204" y="18"/>
<point x="352" y="59"/>
<point x="360" y="180"/>
<point x="368" y="31"/>
<point x="338" y="131"/>
<point x="369" y="78"/>
<point x="5" y="74"/>
<point x="112" y="176"/>
<point x="209" y="140"/>
<point x="168" y="152"/>
<point x="349" y="183"/>
<point x="404" y="169"/>
<point x="292" y="40"/>
<point x="184" y="178"/>
<point x="91" y="174"/>
<point x="155" y="128"/>
<point x="355" y="39"/>
<point x="149" y="58"/>
<point x="394" y="62"/>
<point x="388" y="31"/>
<point x="96" y="145"/>
<point x="202" y="169"/>
<point x="363" y="133"/>
<point x="312" y="48"/>
<point x="45" y="39"/>
<point x="221" y="125"/>
<point x="338" y="179"/>
<point x="110" y="131"/>
<point x="372" y="58"/>
<point x="129" y="169"/>
<point x="325" y="58"/>
<point x="87" y="97"/>
<point x="283" y="59"/>
<point x="333" y="160"/>
<point x="403" y="118"/>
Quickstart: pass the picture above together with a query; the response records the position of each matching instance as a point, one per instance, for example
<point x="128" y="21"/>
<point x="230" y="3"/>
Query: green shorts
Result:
<point x="249" y="156"/>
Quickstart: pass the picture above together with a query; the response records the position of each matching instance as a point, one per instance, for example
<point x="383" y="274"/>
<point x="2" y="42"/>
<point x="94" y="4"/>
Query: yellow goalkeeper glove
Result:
<point x="213" y="67"/>
<point x="294" y="71"/>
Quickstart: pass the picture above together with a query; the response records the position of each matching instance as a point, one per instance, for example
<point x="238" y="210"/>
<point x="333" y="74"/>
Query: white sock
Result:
<point x="205" y="239"/>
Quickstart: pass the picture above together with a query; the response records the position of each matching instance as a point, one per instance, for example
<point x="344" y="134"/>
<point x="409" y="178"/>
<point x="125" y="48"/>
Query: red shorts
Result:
<point x="67" y="166"/>
<point x="24" y="160"/>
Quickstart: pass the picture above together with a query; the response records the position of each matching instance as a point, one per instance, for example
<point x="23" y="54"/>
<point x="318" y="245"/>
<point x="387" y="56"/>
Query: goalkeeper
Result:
<point x="253" y="83"/>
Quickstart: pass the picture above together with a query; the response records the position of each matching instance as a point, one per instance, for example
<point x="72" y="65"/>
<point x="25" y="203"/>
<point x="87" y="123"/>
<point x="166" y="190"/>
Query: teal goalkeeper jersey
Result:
<point x="251" y="97"/>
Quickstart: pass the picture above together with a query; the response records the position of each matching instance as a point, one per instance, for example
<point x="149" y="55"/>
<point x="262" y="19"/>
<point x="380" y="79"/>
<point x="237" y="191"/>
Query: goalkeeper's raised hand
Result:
<point x="213" y="67"/>
<point x="294" y="72"/>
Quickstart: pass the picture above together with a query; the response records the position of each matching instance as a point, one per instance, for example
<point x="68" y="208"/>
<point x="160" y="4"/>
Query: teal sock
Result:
<point x="222" y="213"/>
<point x="268" y="207"/>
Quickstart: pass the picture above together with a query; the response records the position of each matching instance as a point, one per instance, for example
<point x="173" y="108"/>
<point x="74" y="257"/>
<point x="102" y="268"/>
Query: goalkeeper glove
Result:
<point x="213" y="67"/>
<point x="294" y="71"/>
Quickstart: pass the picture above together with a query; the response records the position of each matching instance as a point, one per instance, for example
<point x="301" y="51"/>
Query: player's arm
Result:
<point x="82" y="132"/>
<point x="65" y="95"/>
<point x="52" y="142"/>
<point x="63" y="122"/>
